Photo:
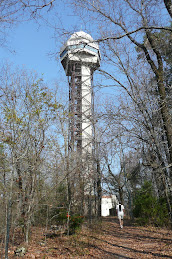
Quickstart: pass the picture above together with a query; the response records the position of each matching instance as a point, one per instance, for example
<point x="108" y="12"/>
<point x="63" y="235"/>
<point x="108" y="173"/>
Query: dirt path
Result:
<point x="107" y="240"/>
<point x="134" y="242"/>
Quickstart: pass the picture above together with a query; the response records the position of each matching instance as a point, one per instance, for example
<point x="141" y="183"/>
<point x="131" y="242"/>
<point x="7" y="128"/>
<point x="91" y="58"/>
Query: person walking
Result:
<point x="120" y="213"/>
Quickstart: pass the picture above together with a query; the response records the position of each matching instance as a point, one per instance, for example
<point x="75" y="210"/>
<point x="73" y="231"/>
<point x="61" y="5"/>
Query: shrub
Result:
<point x="75" y="223"/>
<point x="148" y="209"/>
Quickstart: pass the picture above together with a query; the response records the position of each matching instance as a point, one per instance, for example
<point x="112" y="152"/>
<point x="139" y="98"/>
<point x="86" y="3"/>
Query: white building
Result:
<point x="108" y="204"/>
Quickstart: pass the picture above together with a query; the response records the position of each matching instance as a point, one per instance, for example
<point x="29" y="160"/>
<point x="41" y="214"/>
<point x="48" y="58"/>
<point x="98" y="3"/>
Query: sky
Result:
<point x="36" y="46"/>
<point x="31" y="45"/>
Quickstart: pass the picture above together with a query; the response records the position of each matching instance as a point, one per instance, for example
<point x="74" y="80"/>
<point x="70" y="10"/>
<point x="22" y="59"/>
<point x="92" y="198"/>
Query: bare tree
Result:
<point x="136" y="23"/>
<point x="27" y="110"/>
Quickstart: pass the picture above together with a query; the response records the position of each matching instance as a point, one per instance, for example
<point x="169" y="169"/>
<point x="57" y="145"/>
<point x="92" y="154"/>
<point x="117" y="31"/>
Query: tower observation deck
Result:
<point x="80" y="57"/>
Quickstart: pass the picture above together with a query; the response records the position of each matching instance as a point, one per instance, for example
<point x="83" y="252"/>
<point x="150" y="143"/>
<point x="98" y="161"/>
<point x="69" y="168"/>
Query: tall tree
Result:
<point x="27" y="111"/>
<point x="132" y="22"/>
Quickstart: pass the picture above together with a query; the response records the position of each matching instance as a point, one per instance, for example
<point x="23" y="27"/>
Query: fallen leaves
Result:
<point x="105" y="240"/>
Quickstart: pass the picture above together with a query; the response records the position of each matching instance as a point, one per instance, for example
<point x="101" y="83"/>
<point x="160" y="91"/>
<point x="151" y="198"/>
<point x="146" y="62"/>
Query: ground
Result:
<point x="102" y="240"/>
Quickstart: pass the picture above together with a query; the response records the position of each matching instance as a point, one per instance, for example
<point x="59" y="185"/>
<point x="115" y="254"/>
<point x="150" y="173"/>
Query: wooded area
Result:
<point x="133" y="158"/>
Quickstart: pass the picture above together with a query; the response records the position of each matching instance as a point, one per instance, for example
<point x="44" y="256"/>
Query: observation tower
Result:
<point x="80" y="57"/>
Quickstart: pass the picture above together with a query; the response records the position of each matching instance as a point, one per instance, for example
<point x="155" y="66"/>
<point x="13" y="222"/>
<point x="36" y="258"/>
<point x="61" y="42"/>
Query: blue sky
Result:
<point x="31" y="47"/>
<point x="30" y="44"/>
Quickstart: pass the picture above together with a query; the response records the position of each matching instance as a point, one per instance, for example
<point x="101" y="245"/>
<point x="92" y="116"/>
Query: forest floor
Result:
<point x="102" y="240"/>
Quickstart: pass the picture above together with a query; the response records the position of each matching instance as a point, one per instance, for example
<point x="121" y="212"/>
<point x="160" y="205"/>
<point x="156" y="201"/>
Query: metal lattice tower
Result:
<point x="80" y="57"/>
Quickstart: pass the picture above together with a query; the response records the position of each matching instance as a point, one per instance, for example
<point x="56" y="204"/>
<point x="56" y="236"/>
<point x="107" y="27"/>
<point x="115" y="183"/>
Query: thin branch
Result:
<point x="38" y="6"/>
<point x="134" y="31"/>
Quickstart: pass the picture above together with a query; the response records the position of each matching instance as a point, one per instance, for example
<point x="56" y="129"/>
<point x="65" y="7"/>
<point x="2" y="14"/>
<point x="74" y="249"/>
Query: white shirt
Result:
<point x="122" y="209"/>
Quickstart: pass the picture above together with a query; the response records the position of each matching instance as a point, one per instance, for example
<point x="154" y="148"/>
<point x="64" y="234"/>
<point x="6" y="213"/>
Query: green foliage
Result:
<point x="75" y="223"/>
<point x="148" y="209"/>
<point x="61" y="216"/>
<point x="61" y="194"/>
<point x="40" y="216"/>
<point x="162" y="40"/>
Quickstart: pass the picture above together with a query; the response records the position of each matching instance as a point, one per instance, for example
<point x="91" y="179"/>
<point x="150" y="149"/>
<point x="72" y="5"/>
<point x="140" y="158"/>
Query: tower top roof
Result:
<point x="80" y="35"/>
<point x="78" y="38"/>
<point x="80" y="47"/>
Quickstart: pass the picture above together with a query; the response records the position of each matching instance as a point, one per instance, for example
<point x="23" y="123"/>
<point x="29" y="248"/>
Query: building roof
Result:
<point x="80" y="35"/>
<point x="107" y="196"/>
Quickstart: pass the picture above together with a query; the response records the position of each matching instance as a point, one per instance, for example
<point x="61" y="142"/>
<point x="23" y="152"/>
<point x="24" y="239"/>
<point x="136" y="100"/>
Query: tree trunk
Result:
<point x="166" y="116"/>
<point x="168" y="5"/>
<point x="99" y="190"/>
<point x="8" y="225"/>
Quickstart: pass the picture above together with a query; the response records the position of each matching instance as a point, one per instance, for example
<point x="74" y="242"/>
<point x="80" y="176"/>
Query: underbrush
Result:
<point x="78" y="244"/>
